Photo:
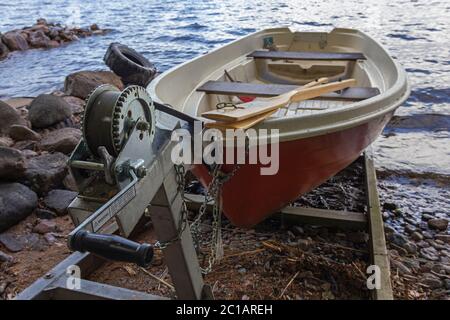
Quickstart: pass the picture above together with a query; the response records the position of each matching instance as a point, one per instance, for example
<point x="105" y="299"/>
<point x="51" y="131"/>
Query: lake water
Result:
<point x="413" y="154"/>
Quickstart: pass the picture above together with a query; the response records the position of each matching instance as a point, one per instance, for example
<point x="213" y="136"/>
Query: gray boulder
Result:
<point x="77" y="104"/>
<point x="8" y="117"/>
<point x="12" y="164"/>
<point x="4" y="51"/>
<point x="38" y="39"/>
<point x="15" y="41"/>
<point x="47" y="110"/>
<point x="439" y="224"/>
<point x="81" y="84"/>
<point x="16" y="203"/>
<point x="20" y="133"/>
<point x="62" y="140"/>
<point x="59" y="200"/>
<point x="46" y="172"/>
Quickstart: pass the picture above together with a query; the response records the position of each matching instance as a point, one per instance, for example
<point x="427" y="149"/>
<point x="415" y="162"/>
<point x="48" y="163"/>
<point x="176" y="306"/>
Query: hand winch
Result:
<point x="117" y="166"/>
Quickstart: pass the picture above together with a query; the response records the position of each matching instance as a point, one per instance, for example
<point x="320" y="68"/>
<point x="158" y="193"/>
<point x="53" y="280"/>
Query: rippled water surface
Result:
<point x="417" y="33"/>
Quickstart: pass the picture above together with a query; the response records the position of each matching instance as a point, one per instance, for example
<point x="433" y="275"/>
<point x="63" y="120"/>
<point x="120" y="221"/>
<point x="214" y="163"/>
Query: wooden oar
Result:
<point x="250" y="122"/>
<point x="264" y="105"/>
<point x="243" y="124"/>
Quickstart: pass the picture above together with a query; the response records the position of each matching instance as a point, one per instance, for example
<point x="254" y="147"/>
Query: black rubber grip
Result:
<point x="112" y="247"/>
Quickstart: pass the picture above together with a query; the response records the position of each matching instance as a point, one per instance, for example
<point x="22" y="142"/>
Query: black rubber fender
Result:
<point x="131" y="66"/>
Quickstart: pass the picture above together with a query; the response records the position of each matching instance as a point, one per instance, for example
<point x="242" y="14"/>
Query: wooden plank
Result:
<point x="180" y="256"/>
<point x="306" y="55"/>
<point x="272" y="90"/>
<point x="324" y="217"/>
<point x="380" y="256"/>
<point x="346" y="219"/>
<point x="263" y="105"/>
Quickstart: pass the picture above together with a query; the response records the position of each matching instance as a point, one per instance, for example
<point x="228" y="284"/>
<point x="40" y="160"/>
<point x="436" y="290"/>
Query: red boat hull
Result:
<point x="249" y="197"/>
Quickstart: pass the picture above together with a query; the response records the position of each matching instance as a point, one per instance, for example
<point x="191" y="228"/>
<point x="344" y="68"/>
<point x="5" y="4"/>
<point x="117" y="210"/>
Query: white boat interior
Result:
<point x="275" y="61"/>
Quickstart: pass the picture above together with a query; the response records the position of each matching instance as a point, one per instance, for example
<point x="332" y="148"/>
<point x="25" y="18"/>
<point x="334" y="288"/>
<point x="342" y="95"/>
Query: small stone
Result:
<point x="398" y="239"/>
<point x="62" y="140"/>
<point x="389" y="206"/>
<point x="242" y="270"/>
<point x="4" y="50"/>
<point x="41" y="21"/>
<point x="8" y="117"/>
<point x="53" y="44"/>
<point x="44" y="214"/>
<point x="12" y="164"/>
<point x="438" y="268"/>
<point x="411" y="263"/>
<point x="5" y="257"/>
<point x="386" y="215"/>
<point x="25" y="145"/>
<point x="410" y="221"/>
<point x="94" y="27"/>
<point x="443" y="237"/>
<point x="410" y="229"/>
<point x="38" y="39"/>
<point x="416" y="236"/>
<point x="297" y="230"/>
<point x="439" y="224"/>
<point x="76" y="104"/>
<point x="29" y="153"/>
<point x="447" y="284"/>
<point x="45" y="226"/>
<point x="70" y="183"/>
<point x="15" y="41"/>
<point x="46" y="172"/>
<point x="423" y="244"/>
<point x="388" y="229"/>
<point x="429" y="253"/>
<point x="81" y="84"/>
<point x="427" y="216"/>
<point x="410" y="247"/>
<point x="6" y="142"/>
<point x="19" y="133"/>
<point x="426" y="267"/>
<point x="47" y="110"/>
<point x="59" y="200"/>
<point x="427" y="235"/>
<point x="11" y="243"/>
<point x="432" y="281"/>
<point x="50" y="238"/>
<point x="402" y="269"/>
<point x="16" y="203"/>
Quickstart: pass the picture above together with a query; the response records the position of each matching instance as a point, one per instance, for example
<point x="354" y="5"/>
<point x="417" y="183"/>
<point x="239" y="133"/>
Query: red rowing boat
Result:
<point x="317" y="137"/>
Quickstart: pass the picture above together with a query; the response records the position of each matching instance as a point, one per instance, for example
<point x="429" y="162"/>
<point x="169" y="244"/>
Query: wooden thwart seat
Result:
<point x="306" y="55"/>
<point x="271" y="90"/>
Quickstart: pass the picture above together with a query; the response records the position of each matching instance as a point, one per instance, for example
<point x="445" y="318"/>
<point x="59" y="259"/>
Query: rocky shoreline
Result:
<point x="36" y="137"/>
<point x="45" y="35"/>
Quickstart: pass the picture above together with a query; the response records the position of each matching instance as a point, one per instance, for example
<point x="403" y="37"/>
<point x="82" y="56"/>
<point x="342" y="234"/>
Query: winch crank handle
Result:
<point x="112" y="247"/>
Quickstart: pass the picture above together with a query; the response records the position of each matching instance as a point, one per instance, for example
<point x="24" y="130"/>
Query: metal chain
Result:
<point x="180" y="179"/>
<point x="228" y="105"/>
<point x="212" y="194"/>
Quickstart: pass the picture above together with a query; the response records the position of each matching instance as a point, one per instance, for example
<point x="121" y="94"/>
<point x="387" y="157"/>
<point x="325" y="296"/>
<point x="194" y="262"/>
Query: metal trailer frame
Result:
<point x="181" y="258"/>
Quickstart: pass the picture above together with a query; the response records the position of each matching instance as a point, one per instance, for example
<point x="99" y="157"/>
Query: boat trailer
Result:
<point x="123" y="169"/>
